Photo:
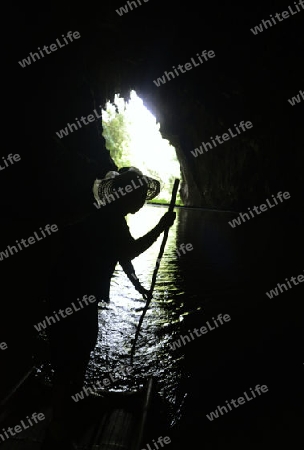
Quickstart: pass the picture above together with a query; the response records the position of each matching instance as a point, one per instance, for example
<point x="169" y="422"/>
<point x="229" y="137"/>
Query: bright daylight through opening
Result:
<point x="133" y="139"/>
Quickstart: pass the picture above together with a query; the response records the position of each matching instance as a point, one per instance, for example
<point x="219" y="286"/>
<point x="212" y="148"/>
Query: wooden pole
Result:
<point x="161" y="252"/>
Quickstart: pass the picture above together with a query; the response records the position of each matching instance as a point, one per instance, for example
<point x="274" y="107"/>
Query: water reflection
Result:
<point x="227" y="272"/>
<point x="118" y="319"/>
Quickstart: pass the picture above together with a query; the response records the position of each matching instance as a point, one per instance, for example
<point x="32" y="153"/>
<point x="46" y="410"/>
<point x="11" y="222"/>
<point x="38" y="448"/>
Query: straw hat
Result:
<point x="102" y="189"/>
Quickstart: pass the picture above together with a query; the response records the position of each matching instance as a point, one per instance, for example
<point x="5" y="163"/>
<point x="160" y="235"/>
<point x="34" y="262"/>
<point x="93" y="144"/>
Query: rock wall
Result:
<point x="249" y="79"/>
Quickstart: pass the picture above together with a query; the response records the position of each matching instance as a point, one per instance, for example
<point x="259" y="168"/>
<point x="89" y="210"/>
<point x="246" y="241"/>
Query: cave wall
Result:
<point x="250" y="78"/>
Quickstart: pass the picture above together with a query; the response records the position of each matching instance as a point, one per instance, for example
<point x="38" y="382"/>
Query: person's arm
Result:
<point x="130" y="272"/>
<point x="132" y="248"/>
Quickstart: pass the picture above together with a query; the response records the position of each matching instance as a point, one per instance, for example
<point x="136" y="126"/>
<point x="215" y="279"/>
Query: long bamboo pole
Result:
<point x="161" y="252"/>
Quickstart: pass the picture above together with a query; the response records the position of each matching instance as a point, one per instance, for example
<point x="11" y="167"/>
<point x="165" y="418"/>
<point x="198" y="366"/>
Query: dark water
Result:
<point x="118" y="319"/>
<point x="228" y="272"/>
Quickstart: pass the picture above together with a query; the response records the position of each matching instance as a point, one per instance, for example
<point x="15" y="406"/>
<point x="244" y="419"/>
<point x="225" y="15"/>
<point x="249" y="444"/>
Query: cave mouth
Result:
<point x="133" y="138"/>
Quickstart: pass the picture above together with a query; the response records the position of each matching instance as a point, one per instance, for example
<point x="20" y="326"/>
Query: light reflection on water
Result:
<point x="118" y="319"/>
<point x="212" y="278"/>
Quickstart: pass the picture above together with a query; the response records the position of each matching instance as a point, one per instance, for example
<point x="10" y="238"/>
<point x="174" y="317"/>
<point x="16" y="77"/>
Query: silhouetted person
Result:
<point x="90" y="252"/>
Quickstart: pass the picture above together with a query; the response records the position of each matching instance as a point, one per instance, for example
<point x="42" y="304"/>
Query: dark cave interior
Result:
<point x="250" y="78"/>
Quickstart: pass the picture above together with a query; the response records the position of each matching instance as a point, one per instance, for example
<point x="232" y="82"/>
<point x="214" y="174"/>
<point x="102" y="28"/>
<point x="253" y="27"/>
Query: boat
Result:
<point x="105" y="420"/>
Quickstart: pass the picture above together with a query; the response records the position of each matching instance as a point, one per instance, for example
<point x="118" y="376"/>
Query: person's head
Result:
<point x="126" y="190"/>
<point x="133" y="191"/>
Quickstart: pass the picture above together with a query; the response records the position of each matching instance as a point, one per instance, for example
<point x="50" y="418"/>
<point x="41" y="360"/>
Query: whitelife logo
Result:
<point x="53" y="48"/>
<point x="241" y="401"/>
<point x="68" y="311"/>
<point x="124" y="9"/>
<point x="90" y="118"/>
<point x="183" y="69"/>
<point x="31" y="240"/>
<point x="285" y="15"/>
<point x="160" y="443"/>
<point x="274" y="292"/>
<point x="11" y="431"/>
<point x="3" y="346"/>
<point x="263" y="207"/>
<point x="294" y="100"/>
<point x="11" y="158"/>
<point x="106" y="382"/>
<point x="225" y="137"/>
<point x="185" y="339"/>
<point x="110" y="198"/>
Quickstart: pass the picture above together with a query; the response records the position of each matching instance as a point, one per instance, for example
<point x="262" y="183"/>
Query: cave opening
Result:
<point x="133" y="138"/>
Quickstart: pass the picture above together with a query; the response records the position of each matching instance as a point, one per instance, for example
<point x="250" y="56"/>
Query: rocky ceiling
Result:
<point x="250" y="78"/>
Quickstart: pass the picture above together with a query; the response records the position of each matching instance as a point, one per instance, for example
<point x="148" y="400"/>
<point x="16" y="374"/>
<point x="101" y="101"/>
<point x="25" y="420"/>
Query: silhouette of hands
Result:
<point x="167" y="220"/>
